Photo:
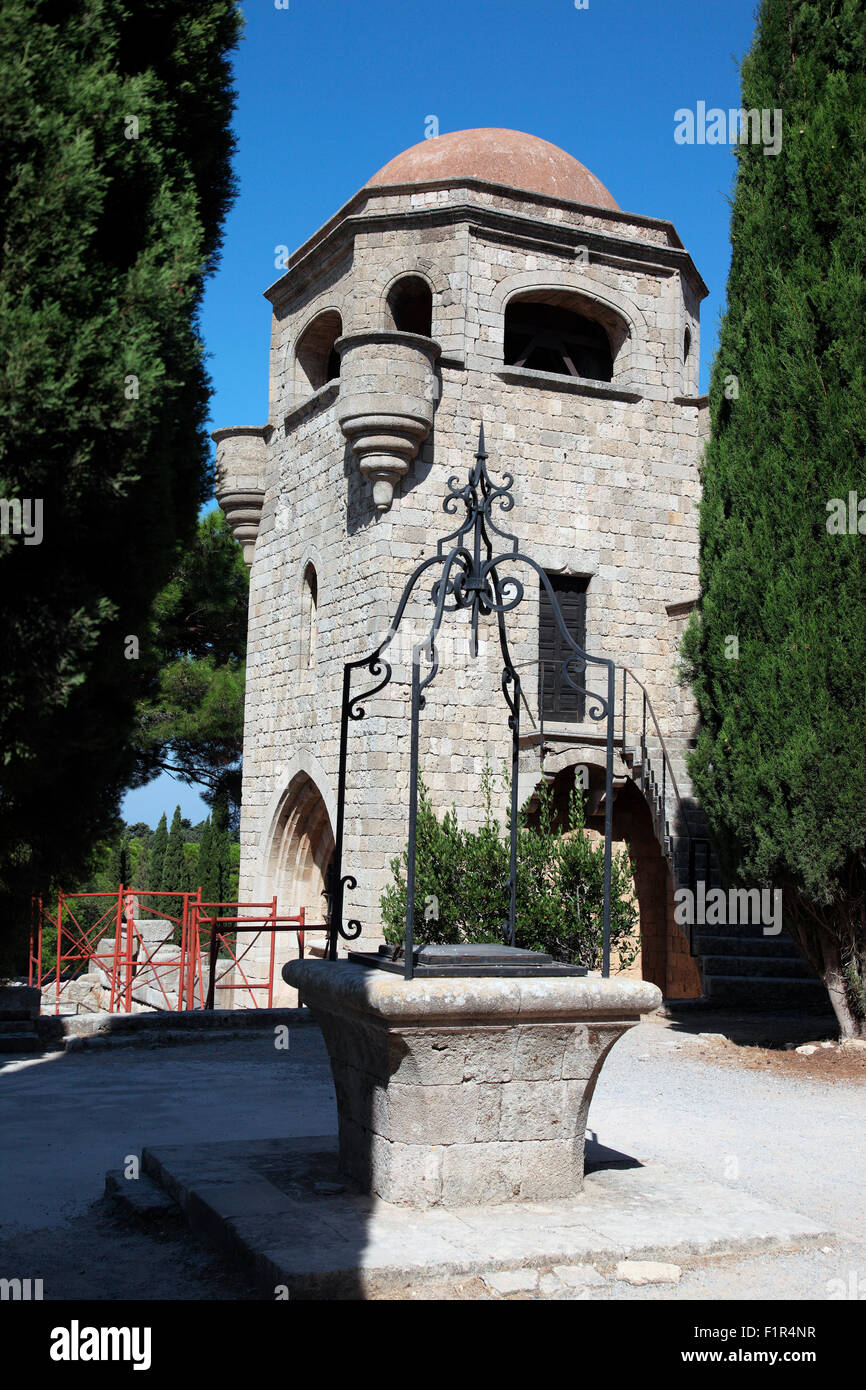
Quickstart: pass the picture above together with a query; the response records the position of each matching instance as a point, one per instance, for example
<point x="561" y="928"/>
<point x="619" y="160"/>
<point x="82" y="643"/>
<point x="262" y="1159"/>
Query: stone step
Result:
<point x="17" y="1027"/>
<point x="27" y="1040"/>
<point x="769" y="947"/>
<point x="743" y="931"/>
<point x="763" y="991"/>
<point x="139" y="1196"/>
<point x="772" y="967"/>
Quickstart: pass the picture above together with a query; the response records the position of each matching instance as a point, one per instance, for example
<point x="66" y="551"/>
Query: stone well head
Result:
<point x="470" y="1089"/>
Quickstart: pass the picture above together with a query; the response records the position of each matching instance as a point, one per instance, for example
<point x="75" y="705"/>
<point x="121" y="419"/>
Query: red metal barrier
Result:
<point x="35" y="954"/>
<point x="135" y="960"/>
<point x="269" y="924"/>
<point x="79" y="944"/>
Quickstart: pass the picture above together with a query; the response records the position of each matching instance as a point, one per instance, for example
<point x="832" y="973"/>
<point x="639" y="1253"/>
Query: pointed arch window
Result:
<point x="309" y="618"/>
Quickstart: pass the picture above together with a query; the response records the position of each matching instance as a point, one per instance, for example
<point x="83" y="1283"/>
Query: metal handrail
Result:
<point x="627" y="671"/>
<point x="667" y="770"/>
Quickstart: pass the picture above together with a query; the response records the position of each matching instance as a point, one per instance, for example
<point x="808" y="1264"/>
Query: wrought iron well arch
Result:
<point x="469" y="580"/>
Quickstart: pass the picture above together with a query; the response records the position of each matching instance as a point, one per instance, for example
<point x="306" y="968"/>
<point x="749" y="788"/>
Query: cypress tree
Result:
<point x="157" y="853"/>
<point x="234" y="892"/>
<point x="174" y="867"/>
<point x="120" y="870"/>
<point x="221" y="854"/>
<point x="115" y="145"/>
<point x="205" y="864"/>
<point x="780" y="764"/>
<point x="141" y="868"/>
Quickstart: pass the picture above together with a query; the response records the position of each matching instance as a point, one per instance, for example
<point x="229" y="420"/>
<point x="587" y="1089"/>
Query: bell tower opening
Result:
<point x="552" y="337"/>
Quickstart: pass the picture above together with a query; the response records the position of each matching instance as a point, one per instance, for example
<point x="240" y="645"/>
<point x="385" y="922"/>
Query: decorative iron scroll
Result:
<point x="470" y="559"/>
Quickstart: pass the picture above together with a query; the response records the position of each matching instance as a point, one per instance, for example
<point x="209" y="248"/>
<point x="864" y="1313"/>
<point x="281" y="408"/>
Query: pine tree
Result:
<point x="190" y="719"/>
<point x="115" y="145"/>
<point x="780" y="765"/>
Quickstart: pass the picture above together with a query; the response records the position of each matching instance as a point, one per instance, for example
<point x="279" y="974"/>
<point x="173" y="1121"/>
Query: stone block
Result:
<point x="364" y="1097"/>
<point x="430" y="1115"/>
<point x="20" y="1001"/>
<point x="152" y="932"/>
<point x="478" y="1174"/>
<point x="578" y="1276"/>
<point x="434" y="1057"/>
<point x="507" y="1281"/>
<point x="488" y="1113"/>
<point x="647" y="1272"/>
<point x="585" y="1048"/>
<point x="550" y="1168"/>
<point x="533" y="1110"/>
<point x="489" y="1054"/>
<point x="540" y="1051"/>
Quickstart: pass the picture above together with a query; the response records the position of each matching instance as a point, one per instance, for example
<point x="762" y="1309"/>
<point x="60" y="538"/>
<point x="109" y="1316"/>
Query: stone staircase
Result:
<point x="739" y="966"/>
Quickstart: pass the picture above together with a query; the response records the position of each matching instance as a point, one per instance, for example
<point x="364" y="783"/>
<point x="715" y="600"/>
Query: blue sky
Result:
<point x="330" y="90"/>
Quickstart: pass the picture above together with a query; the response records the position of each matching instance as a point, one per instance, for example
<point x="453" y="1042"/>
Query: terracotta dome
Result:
<point x="497" y="156"/>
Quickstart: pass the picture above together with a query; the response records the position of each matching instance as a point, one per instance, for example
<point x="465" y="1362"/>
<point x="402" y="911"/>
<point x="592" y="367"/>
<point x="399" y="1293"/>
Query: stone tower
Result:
<point x="481" y="275"/>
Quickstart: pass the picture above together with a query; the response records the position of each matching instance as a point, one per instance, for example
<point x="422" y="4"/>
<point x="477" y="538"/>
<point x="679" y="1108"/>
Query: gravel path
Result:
<point x="674" y="1099"/>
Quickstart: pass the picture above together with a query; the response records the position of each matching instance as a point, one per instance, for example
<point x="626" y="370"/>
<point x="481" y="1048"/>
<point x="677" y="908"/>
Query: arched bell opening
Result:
<point x="316" y="359"/>
<point x="564" y="334"/>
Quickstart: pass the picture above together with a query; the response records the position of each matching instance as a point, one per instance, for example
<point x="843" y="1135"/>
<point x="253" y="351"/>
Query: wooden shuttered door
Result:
<point x="559" y="700"/>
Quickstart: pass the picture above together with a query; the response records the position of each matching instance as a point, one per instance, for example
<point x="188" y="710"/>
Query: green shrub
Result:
<point x="461" y="884"/>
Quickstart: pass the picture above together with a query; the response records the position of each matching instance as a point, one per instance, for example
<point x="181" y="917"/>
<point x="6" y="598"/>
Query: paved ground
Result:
<point x="664" y="1096"/>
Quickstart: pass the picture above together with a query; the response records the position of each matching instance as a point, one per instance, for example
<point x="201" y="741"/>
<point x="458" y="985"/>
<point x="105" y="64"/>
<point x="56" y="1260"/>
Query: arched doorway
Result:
<point x="302" y="844"/>
<point x="664" y="957"/>
<point x="296" y="869"/>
